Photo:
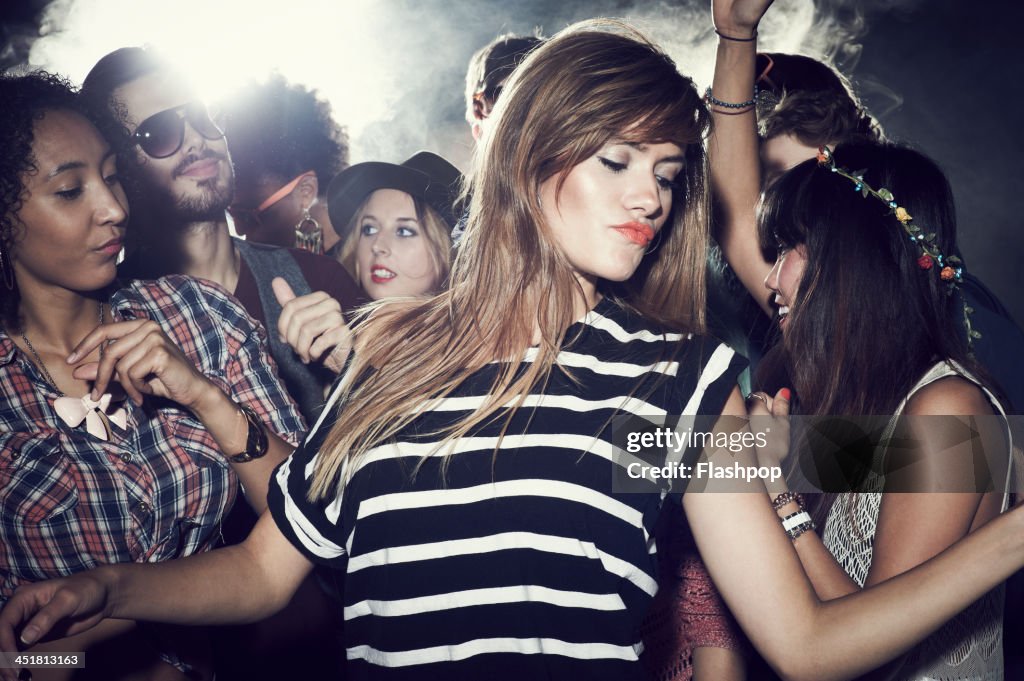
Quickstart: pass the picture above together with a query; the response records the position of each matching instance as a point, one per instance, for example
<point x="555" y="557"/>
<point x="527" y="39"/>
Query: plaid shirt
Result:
<point x="159" y="489"/>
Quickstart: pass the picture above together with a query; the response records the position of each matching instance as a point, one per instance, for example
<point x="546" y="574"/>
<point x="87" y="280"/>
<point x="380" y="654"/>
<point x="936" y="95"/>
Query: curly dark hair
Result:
<point x="282" y="129"/>
<point x="24" y="100"/>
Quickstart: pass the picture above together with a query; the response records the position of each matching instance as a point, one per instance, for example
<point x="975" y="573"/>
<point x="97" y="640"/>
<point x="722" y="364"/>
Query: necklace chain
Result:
<point x="42" y="365"/>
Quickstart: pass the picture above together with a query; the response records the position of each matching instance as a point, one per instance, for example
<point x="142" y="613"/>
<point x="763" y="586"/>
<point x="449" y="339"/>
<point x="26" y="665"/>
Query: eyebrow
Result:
<point x="63" y="167"/>
<point x="640" y="146"/>
<point x="75" y="165"/>
<point x="374" y="217"/>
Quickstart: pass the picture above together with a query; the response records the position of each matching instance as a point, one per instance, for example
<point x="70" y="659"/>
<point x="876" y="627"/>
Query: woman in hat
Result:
<point x="463" y="474"/>
<point x="398" y="220"/>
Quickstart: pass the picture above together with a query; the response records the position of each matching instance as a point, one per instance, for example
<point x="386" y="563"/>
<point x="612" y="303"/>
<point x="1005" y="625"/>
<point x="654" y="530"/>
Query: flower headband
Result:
<point x="950" y="267"/>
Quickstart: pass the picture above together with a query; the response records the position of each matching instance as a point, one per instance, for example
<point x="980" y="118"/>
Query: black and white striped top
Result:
<point x="526" y="565"/>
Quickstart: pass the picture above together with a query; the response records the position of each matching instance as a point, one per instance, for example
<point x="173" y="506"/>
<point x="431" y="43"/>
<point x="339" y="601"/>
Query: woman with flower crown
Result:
<point x="129" y="413"/>
<point x="869" y="308"/>
<point x="463" y="473"/>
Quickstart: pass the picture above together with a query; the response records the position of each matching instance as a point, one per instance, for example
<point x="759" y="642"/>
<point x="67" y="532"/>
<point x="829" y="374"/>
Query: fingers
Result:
<point x="102" y="334"/>
<point x="125" y="339"/>
<point x="304" y="320"/>
<point x="282" y="291"/>
<point x="336" y="344"/>
<point x="759" y="404"/>
<point x="780" y="405"/>
<point x="143" y="360"/>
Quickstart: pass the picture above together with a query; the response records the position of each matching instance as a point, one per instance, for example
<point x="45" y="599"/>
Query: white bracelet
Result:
<point x="798" y="518"/>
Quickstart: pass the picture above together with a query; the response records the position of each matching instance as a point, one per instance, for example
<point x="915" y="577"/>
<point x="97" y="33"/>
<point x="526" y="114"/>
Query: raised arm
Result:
<point x="733" y="147"/>
<point x="760" y="577"/>
<point x="241" y="583"/>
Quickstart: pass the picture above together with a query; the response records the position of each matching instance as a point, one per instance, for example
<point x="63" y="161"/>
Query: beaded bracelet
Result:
<point x="787" y="497"/>
<point x="710" y="99"/>
<point x="737" y="40"/>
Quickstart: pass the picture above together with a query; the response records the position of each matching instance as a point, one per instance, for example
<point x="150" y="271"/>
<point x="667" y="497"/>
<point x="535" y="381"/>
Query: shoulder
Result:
<point x="321" y="272"/>
<point x="950" y="395"/>
<point x="176" y="298"/>
<point x="174" y="289"/>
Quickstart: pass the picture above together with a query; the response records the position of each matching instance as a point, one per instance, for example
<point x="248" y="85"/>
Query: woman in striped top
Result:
<point x="464" y="475"/>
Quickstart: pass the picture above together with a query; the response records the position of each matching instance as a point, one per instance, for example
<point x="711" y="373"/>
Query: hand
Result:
<point x="313" y="326"/>
<point x="63" y="607"/>
<point x="144" y="360"/>
<point x="738" y="18"/>
<point x="770" y="416"/>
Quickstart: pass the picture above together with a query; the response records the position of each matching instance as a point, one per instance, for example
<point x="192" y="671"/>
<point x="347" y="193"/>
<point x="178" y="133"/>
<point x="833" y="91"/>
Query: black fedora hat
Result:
<point x="425" y="176"/>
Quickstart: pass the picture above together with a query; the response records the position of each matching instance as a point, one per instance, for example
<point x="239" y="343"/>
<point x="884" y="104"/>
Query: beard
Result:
<point x="211" y="197"/>
<point x="205" y="203"/>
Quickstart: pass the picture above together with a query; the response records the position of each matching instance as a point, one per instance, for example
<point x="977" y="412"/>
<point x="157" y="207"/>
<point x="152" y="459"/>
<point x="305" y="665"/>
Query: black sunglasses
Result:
<point x="162" y="134"/>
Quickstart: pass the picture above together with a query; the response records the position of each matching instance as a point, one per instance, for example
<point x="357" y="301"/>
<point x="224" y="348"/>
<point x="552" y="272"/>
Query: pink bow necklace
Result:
<point x="73" y="411"/>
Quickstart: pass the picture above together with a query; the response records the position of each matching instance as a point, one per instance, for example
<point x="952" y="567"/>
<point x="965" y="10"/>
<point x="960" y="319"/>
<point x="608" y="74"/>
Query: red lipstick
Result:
<point x="639" y="233"/>
<point x="380" y="274"/>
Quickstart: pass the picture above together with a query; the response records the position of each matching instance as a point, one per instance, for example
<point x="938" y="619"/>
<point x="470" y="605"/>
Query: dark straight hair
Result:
<point x="867" y="321"/>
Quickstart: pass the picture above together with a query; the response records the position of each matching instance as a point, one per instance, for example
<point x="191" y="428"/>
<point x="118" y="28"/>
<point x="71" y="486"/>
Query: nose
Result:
<point x="643" y="195"/>
<point x="381" y="244"/>
<point x="771" y="282"/>
<point x="112" y="206"/>
<point x="193" y="141"/>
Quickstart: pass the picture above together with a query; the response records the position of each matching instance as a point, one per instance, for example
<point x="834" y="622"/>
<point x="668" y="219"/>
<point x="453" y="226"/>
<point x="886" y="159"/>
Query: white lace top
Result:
<point x="970" y="646"/>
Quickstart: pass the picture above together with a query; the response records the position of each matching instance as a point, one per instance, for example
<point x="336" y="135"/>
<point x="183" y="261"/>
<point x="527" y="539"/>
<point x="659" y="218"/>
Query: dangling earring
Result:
<point x="309" y="236"/>
<point x="657" y="242"/>
<point x="7" y="269"/>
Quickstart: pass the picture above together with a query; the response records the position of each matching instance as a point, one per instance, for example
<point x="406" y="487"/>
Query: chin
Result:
<point x="620" y="271"/>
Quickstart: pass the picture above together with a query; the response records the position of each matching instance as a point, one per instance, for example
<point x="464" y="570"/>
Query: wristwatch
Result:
<point x="256" y="440"/>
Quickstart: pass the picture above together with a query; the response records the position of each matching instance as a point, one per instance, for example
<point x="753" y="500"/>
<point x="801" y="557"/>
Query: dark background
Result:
<point x="942" y="75"/>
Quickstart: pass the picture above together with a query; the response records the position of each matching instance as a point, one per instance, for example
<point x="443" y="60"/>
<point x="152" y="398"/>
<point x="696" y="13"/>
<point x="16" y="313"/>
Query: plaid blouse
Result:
<point x="157" y="490"/>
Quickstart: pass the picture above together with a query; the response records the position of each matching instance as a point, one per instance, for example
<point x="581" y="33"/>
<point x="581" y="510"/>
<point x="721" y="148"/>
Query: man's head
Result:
<point x="174" y="157"/>
<point x="803" y="104"/>
<point x="488" y="70"/>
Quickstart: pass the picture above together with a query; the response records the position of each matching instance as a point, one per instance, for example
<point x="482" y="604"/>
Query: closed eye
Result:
<point x="611" y="165"/>
<point x="666" y="183"/>
<point x="70" y="194"/>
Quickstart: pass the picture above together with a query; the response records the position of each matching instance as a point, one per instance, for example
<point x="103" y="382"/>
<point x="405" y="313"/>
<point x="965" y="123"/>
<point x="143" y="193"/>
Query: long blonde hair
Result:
<point x="591" y="82"/>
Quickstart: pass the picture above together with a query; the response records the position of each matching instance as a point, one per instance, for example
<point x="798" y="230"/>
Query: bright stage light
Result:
<point x="392" y="69"/>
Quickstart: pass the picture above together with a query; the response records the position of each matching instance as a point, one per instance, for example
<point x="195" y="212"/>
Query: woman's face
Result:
<point x="612" y="206"/>
<point x="785" y="277"/>
<point x="73" y="219"/>
<point x="392" y="251"/>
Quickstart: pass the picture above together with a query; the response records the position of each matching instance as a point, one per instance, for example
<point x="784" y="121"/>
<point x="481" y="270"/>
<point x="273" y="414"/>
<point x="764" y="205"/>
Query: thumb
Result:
<point x="282" y="291"/>
<point x="780" y="405"/>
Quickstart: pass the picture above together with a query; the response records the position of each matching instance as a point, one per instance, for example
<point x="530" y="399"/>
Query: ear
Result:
<point x="308" y="190"/>
<point x="477" y="132"/>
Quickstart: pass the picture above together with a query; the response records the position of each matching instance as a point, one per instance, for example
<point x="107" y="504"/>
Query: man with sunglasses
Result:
<point x="177" y="172"/>
<point x="179" y="177"/>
